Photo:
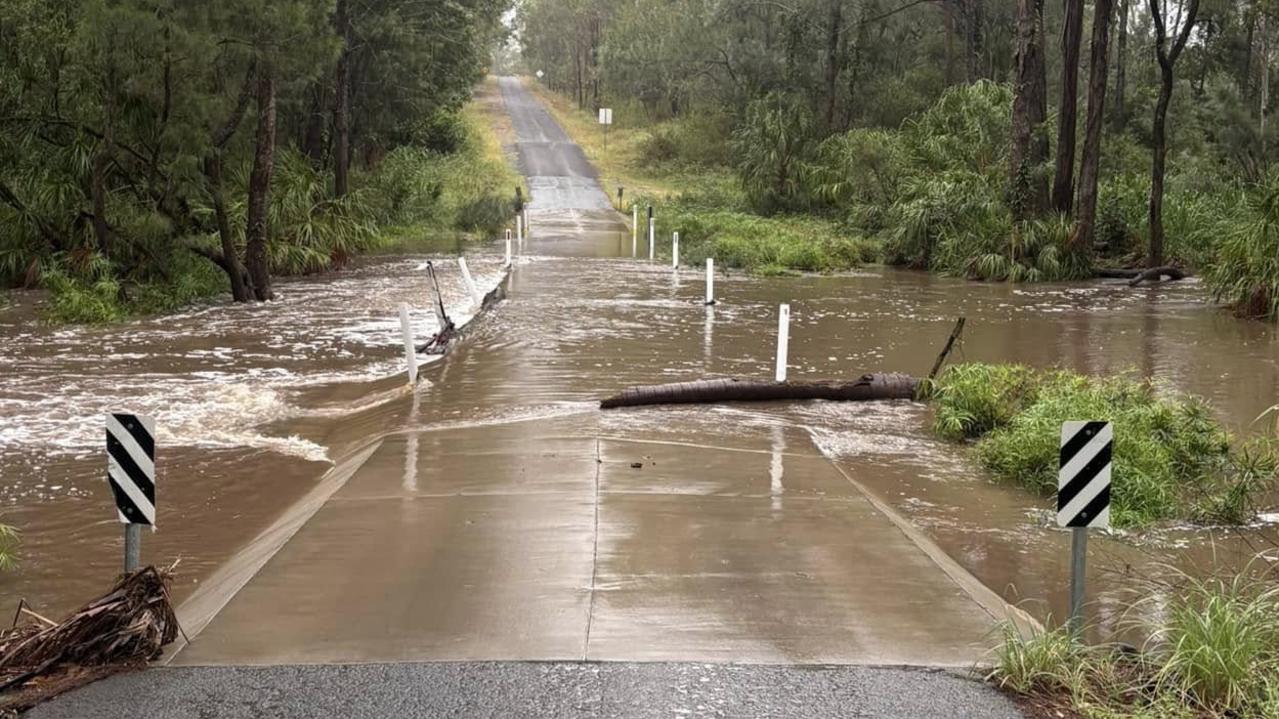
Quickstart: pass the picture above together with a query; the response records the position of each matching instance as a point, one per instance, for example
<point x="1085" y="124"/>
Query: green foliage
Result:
<point x="10" y="538"/>
<point x="773" y="146"/>
<point x="112" y="112"/>
<point x="1213" y="652"/>
<point x="1220" y="645"/>
<point x="762" y="245"/>
<point x="1172" y="459"/>
<point x="1045" y="660"/>
<point x="1246" y="271"/>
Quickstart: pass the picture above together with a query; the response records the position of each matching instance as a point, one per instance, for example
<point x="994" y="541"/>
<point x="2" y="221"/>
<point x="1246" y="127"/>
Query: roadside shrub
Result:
<point x="1245" y="274"/>
<point x="967" y="128"/>
<point x="859" y="167"/>
<point x="774" y="145"/>
<point x="89" y="300"/>
<point x="1172" y="459"/>
<point x="1212" y="651"/>
<point x="974" y="398"/>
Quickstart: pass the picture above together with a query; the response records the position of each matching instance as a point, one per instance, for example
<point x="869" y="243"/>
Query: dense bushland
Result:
<point x="152" y="153"/>
<point x="1172" y="459"/>
<point x="925" y="128"/>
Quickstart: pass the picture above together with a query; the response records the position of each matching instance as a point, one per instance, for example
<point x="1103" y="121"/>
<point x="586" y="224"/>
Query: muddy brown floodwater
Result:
<point x="253" y="404"/>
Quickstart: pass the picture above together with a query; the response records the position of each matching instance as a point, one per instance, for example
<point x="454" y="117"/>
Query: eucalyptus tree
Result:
<point x="1172" y="32"/>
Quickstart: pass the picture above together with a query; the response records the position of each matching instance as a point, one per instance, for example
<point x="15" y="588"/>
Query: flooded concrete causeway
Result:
<point x="496" y="513"/>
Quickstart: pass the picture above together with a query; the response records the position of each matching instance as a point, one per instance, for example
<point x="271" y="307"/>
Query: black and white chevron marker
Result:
<point x="1083" y="485"/>
<point x="131" y="466"/>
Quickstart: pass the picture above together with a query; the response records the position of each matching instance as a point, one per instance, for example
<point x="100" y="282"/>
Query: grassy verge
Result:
<point x="1214" y="652"/>
<point x="702" y="199"/>
<point x="1172" y="459"/>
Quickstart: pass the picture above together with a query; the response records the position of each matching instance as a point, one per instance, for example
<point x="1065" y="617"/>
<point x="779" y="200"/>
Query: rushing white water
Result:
<point x="215" y="375"/>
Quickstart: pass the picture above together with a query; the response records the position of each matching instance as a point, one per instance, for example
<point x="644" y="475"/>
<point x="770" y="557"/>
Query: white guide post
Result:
<point x="652" y="238"/>
<point x="508" y="251"/>
<point x="783" y="340"/>
<point x="634" y="230"/>
<point x="710" y="280"/>
<point x="675" y="250"/>
<point x="519" y="229"/>
<point x="410" y="352"/>
<point x="476" y="295"/>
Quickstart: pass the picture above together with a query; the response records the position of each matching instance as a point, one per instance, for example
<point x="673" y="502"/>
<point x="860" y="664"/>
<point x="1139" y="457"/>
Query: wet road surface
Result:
<point x="538" y="538"/>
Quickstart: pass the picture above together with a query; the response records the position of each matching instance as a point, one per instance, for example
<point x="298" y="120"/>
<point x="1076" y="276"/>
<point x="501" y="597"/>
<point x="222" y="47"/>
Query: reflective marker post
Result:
<point x="476" y="295"/>
<point x="1083" y="498"/>
<point x="131" y="474"/>
<point x="675" y="250"/>
<point x="652" y="233"/>
<point x="410" y="352"/>
<point x="710" y="280"/>
<point x="783" y="340"/>
<point x="634" y="230"/>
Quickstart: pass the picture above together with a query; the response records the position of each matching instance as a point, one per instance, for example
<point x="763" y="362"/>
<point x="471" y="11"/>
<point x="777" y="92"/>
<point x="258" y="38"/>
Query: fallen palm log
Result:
<point x="1137" y="276"/>
<point x="867" y="387"/>
<point x="126" y="627"/>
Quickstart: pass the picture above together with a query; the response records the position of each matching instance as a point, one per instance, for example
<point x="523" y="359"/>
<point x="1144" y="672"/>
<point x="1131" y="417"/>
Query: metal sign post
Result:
<point x="131" y="473"/>
<point x="1083" y="498"/>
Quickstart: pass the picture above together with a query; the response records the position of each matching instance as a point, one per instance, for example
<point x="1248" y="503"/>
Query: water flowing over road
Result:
<point x="495" y="513"/>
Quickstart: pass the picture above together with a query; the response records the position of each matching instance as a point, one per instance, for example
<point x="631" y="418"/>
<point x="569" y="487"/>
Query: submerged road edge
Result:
<point x="988" y="599"/>
<point x="218" y="590"/>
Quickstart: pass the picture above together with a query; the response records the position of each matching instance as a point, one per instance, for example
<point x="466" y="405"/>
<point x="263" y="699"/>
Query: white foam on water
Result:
<point x="215" y="376"/>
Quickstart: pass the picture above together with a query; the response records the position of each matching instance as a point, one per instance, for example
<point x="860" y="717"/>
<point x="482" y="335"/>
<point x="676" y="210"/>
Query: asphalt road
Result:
<point x="522" y="689"/>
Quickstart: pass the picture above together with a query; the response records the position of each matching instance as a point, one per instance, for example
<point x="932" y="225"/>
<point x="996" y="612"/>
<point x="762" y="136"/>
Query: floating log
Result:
<point x="868" y="387"/>
<point x="1139" y="275"/>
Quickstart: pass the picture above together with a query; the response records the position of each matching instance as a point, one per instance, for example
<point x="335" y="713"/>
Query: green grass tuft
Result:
<point x="1172" y="459"/>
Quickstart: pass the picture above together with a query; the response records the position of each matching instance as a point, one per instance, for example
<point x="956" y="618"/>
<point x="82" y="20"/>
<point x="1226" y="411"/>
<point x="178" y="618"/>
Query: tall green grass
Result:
<point x="1172" y="459"/>
<point x="1213" y="651"/>
<point x="9" y="539"/>
<point x="761" y="245"/>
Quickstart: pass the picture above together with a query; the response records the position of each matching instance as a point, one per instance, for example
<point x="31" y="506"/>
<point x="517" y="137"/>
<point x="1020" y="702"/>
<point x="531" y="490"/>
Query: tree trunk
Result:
<point x="1090" y="162"/>
<point x="868" y="387"/>
<point x="948" y="19"/>
<point x="1159" y="141"/>
<point x="102" y="158"/>
<point x="832" y="59"/>
<point x="1167" y="58"/>
<point x="313" y="128"/>
<point x="255" y="254"/>
<point x="341" y="100"/>
<point x="1121" y="70"/>
<point x="1029" y="186"/>
<point x="973" y="19"/>
<point x="240" y="292"/>
<point x="1072" y="37"/>
<point x="98" y="193"/>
